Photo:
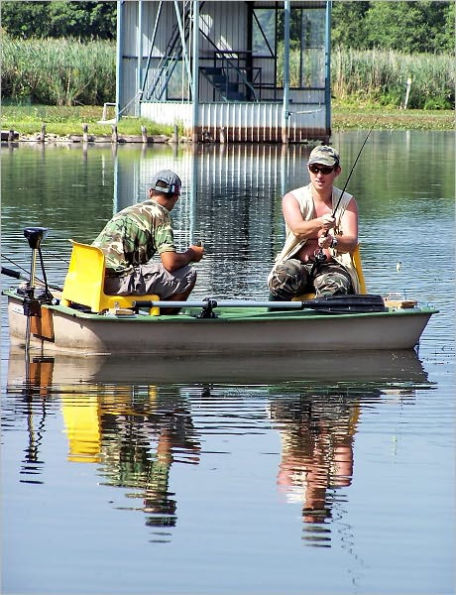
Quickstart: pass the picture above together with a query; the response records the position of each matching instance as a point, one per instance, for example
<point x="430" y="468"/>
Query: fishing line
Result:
<point x="53" y="255"/>
<point x="15" y="263"/>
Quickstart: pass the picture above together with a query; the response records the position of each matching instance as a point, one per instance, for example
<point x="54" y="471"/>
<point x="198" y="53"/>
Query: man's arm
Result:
<point x="176" y="260"/>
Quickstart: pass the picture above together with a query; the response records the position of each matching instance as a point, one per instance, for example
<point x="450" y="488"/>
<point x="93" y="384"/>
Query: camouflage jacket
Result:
<point x="134" y="235"/>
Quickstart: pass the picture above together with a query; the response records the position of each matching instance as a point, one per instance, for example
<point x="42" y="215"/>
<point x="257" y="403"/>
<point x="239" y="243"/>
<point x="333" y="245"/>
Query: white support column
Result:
<point x="119" y="61"/>
<point x="286" y="69"/>
<point x="139" y="46"/>
<point x="195" y="81"/>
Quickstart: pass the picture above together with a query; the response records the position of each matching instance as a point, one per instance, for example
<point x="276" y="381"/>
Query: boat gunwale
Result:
<point x="225" y="314"/>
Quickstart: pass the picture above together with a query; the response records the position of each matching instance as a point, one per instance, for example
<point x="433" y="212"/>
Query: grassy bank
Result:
<point x="64" y="121"/>
<point x="68" y="120"/>
<point x="382" y="118"/>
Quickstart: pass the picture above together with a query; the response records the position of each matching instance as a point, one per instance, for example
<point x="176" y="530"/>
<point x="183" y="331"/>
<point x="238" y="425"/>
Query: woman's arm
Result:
<point x="301" y="228"/>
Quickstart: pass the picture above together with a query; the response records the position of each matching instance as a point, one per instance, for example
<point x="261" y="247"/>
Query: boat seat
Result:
<point x="356" y="259"/>
<point x="84" y="283"/>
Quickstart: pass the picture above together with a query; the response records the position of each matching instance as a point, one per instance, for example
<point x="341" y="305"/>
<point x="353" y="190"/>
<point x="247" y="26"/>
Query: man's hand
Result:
<point x="198" y="252"/>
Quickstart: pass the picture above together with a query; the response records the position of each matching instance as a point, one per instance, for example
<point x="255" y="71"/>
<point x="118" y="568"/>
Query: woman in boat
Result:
<point x="316" y="256"/>
<point x="135" y="234"/>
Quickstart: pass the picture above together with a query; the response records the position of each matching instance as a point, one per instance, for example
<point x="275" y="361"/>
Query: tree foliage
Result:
<point x="414" y="26"/>
<point x="417" y="26"/>
<point x="85" y="20"/>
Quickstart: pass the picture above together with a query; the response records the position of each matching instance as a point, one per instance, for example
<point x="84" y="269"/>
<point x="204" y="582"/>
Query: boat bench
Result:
<point x="356" y="259"/>
<point x="84" y="283"/>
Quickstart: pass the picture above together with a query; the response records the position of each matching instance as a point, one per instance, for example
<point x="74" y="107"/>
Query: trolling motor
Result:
<point x="32" y="304"/>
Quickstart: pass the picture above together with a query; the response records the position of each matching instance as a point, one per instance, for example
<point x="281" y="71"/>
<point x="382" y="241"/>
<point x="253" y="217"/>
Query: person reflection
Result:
<point x="317" y="434"/>
<point x="139" y="446"/>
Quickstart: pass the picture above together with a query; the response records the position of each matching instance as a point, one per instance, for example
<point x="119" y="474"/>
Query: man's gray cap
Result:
<point x="166" y="181"/>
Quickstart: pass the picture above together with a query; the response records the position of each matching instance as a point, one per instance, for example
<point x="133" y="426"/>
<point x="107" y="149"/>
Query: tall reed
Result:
<point x="69" y="72"/>
<point x="58" y="71"/>
<point x="381" y="76"/>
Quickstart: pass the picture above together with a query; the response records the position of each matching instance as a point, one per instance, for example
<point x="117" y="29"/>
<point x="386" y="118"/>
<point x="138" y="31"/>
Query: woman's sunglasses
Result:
<point x="324" y="169"/>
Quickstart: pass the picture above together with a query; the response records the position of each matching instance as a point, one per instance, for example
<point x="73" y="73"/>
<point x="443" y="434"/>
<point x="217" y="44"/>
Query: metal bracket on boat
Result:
<point x="207" y="309"/>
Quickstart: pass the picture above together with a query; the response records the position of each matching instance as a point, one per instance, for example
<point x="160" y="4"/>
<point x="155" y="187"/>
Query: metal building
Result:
<point x="227" y="71"/>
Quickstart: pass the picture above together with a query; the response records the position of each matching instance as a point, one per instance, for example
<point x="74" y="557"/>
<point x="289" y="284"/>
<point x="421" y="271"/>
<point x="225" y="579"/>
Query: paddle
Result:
<point x="340" y="304"/>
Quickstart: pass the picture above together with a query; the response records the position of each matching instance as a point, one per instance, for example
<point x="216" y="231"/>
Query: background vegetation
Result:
<point x="71" y="72"/>
<point x="63" y="53"/>
<point x="407" y="26"/>
<point x="425" y="26"/>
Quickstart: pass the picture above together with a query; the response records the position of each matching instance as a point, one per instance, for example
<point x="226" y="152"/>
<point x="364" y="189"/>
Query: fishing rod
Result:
<point x="320" y="256"/>
<point x="16" y="275"/>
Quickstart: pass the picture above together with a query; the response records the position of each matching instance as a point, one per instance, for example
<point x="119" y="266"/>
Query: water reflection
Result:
<point x="136" y="421"/>
<point x="233" y="415"/>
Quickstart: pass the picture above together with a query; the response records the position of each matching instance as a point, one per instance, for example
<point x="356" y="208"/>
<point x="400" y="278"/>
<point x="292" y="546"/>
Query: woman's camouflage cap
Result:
<point x="324" y="155"/>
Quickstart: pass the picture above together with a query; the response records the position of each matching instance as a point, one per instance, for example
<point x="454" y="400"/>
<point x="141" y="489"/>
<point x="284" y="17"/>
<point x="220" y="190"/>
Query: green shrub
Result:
<point x="381" y="76"/>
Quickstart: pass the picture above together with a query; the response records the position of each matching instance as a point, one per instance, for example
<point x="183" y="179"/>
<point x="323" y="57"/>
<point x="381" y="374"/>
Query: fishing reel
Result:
<point x="319" y="256"/>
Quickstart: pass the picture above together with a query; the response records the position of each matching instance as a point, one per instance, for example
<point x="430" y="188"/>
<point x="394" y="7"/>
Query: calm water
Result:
<point x="310" y="474"/>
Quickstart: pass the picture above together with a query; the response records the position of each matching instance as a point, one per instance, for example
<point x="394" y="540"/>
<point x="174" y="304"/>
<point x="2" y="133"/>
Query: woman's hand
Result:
<point x="327" y="222"/>
<point x="325" y="241"/>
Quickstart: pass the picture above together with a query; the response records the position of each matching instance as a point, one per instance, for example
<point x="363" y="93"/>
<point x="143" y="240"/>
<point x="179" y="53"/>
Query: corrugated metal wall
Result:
<point x="243" y="122"/>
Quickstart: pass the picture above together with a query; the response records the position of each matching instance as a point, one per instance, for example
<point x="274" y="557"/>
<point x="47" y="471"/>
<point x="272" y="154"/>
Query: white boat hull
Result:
<point x="260" y="332"/>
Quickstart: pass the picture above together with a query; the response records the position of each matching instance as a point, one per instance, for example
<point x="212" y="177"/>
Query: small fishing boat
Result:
<point x="82" y="319"/>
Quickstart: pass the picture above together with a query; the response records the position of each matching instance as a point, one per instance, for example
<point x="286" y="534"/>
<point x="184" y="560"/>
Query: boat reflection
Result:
<point x="135" y="419"/>
<point x="356" y="366"/>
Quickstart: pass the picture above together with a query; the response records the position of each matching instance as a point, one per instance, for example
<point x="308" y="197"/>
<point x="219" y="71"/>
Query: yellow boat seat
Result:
<point x="84" y="283"/>
<point x="356" y="260"/>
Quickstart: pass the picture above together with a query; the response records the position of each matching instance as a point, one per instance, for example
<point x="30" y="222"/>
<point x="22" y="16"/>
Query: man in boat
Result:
<point x="316" y="256"/>
<point x="138" y="232"/>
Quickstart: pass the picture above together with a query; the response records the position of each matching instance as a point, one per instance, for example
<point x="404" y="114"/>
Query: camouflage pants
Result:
<point x="293" y="277"/>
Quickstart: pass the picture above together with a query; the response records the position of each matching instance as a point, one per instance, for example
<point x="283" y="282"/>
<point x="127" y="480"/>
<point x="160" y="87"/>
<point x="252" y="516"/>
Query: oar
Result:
<point x="17" y="275"/>
<point x="340" y="304"/>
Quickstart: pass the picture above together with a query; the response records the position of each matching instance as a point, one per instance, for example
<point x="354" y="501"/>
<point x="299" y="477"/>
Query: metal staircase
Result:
<point x="229" y="75"/>
<point x="220" y="80"/>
